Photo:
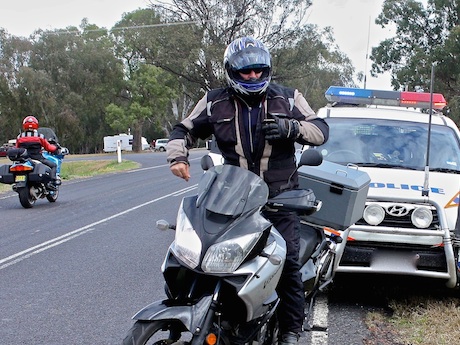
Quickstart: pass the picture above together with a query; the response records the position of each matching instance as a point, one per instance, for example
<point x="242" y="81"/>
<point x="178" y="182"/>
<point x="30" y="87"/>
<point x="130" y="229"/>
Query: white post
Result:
<point x="119" y="150"/>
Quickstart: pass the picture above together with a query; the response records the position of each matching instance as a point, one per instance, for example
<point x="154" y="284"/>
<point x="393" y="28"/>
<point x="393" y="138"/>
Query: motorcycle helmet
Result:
<point x="247" y="53"/>
<point x="30" y="123"/>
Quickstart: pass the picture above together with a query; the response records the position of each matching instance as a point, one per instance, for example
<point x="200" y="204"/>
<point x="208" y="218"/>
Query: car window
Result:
<point x="392" y="143"/>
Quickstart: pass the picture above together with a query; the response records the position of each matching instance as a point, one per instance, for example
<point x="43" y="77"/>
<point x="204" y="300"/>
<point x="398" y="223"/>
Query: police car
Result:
<point x="412" y="156"/>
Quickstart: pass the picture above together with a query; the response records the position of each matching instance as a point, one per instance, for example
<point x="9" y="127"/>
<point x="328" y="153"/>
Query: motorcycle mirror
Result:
<point x="206" y="162"/>
<point x="311" y="157"/>
<point x="163" y="225"/>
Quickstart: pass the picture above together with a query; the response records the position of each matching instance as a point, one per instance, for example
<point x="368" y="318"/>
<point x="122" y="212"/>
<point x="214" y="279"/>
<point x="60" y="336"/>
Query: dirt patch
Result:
<point x="381" y="333"/>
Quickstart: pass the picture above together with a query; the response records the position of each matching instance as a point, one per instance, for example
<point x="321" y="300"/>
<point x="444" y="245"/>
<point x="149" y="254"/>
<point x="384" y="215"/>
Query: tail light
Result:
<point x="21" y="168"/>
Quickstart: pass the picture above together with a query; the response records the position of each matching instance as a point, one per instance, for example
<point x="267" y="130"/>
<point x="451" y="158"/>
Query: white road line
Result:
<point x="320" y="320"/>
<point x="27" y="253"/>
<point x="148" y="168"/>
<point x="156" y="166"/>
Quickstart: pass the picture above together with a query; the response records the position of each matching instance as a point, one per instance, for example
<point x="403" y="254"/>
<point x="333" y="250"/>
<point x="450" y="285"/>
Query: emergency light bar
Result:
<point x="406" y="99"/>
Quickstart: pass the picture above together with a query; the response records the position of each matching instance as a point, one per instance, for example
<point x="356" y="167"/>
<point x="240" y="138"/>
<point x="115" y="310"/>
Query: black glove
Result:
<point x="57" y="152"/>
<point x="281" y="128"/>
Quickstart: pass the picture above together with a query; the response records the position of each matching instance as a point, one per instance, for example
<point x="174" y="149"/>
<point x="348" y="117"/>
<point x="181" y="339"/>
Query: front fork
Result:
<point x="201" y="332"/>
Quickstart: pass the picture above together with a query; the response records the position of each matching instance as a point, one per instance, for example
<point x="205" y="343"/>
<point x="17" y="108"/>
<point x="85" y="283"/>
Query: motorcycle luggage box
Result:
<point x="41" y="173"/>
<point x="5" y="175"/>
<point x="342" y="189"/>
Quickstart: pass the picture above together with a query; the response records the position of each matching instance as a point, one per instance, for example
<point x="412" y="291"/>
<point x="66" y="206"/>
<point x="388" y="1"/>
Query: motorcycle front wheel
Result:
<point x="164" y="332"/>
<point x="25" y="197"/>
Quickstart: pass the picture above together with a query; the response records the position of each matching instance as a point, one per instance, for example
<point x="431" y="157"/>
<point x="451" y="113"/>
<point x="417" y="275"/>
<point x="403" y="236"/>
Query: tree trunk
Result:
<point x="137" y="138"/>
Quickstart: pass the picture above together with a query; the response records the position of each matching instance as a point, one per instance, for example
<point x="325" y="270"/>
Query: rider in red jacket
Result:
<point x="34" y="142"/>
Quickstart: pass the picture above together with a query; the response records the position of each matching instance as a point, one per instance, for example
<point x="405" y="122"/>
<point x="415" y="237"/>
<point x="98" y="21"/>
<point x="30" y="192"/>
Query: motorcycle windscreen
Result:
<point x="230" y="190"/>
<point x="48" y="134"/>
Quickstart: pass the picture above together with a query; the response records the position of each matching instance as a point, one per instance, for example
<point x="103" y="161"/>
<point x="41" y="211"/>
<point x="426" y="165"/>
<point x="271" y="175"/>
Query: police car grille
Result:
<point x="403" y="222"/>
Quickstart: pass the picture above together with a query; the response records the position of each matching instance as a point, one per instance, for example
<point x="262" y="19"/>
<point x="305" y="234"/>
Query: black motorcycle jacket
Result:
<point x="237" y="127"/>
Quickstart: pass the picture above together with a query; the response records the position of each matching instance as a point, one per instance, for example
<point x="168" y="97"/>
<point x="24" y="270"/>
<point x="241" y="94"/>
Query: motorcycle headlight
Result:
<point x="227" y="256"/>
<point x="374" y="214"/>
<point x="422" y="217"/>
<point x="187" y="244"/>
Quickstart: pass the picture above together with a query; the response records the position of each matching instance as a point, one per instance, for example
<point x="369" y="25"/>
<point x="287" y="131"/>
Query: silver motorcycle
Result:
<point x="222" y="269"/>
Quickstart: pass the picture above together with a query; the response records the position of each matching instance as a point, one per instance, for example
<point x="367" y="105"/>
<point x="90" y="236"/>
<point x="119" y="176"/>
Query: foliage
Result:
<point x="425" y="37"/>
<point x="147" y="98"/>
<point x="64" y="78"/>
<point x="312" y="65"/>
<point x="281" y="25"/>
<point x="148" y="70"/>
<point x="150" y="40"/>
<point x="84" y="76"/>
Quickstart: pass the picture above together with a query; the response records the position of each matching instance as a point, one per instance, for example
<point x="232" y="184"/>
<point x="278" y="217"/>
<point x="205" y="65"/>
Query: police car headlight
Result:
<point x="374" y="214"/>
<point x="422" y="217"/>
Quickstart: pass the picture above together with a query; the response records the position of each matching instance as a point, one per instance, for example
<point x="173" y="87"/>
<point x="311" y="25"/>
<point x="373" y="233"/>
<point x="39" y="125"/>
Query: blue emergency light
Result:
<point x="349" y="95"/>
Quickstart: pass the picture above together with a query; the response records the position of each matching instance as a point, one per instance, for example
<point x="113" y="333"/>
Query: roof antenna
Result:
<point x="425" y="190"/>
<point x="367" y="51"/>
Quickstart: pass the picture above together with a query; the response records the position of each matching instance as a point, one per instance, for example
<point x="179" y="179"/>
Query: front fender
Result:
<point x="192" y="316"/>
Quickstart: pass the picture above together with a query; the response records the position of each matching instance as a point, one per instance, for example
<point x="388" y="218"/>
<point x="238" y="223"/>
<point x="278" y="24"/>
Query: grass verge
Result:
<point x="417" y="321"/>
<point x="79" y="169"/>
<point x="70" y="170"/>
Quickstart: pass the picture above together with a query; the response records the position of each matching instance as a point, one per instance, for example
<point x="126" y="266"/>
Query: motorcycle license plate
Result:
<point x="20" y="178"/>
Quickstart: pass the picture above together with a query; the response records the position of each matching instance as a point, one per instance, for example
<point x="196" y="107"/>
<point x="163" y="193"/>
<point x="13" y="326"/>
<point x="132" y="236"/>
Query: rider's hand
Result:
<point x="281" y="128"/>
<point x="58" y="151"/>
<point x="181" y="169"/>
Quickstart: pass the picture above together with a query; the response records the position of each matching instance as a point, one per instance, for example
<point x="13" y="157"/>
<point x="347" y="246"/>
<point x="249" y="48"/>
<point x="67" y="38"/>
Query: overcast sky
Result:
<point x="352" y="21"/>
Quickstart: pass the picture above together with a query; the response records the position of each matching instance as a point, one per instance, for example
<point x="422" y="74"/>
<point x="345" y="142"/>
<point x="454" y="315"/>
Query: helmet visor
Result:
<point x="250" y="57"/>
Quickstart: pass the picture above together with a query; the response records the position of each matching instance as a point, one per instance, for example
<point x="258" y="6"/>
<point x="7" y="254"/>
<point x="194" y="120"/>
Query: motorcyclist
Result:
<point x="256" y="124"/>
<point x="34" y="142"/>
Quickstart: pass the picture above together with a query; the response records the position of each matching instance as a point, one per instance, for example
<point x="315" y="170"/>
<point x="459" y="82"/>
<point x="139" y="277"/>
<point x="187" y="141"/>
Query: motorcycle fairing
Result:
<point x="260" y="288"/>
<point x="254" y="282"/>
<point x="213" y="227"/>
<point x="192" y="316"/>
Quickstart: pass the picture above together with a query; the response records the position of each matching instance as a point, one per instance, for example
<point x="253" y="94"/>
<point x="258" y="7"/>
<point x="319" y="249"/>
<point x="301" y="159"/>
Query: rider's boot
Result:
<point x="51" y="185"/>
<point x="289" y="338"/>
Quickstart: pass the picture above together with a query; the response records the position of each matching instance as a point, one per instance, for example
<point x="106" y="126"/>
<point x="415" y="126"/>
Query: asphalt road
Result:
<point x="75" y="271"/>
